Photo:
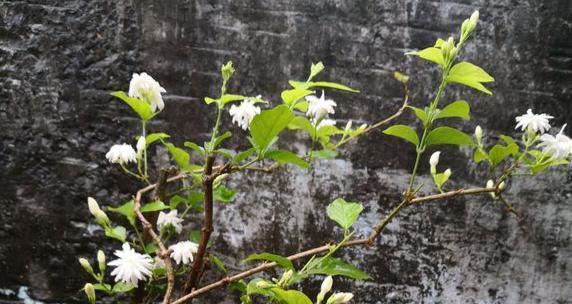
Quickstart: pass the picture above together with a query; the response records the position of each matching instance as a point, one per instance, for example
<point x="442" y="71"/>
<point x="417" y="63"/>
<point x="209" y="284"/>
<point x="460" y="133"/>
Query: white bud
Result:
<point x="92" y="205"/>
<point x="101" y="260"/>
<point x="348" y="125"/>
<point x="491" y="184"/>
<point x="478" y="133"/>
<point x="447" y="173"/>
<point x="90" y="292"/>
<point x="286" y="277"/>
<point x="85" y="264"/>
<point x="502" y="185"/>
<point x="433" y="161"/>
<point x="325" y="288"/>
<point x="141" y="145"/>
<point x="474" y="19"/>
<point x="101" y="218"/>
<point x="340" y="298"/>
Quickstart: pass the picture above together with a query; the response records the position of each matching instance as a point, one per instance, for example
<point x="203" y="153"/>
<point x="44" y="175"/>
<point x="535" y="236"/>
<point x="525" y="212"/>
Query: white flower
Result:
<point x="340" y="298"/>
<point x="433" y="161"/>
<point x="533" y="122"/>
<point x="318" y="108"/>
<point x="325" y="122"/>
<point x="141" y="145"/>
<point x="183" y="251"/>
<point x="559" y="147"/>
<point x="244" y="113"/>
<point x="144" y="87"/>
<point x="121" y="154"/>
<point x="130" y="267"/>
<point x="170" y="219"/>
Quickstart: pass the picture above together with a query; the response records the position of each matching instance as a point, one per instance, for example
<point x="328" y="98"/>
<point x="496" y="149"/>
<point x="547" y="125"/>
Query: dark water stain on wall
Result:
<point x="60" y="59"/>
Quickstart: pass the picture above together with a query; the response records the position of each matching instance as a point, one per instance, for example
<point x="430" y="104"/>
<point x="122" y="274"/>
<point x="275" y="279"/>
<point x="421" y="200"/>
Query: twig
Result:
<point x="163" y="251"/>
<point x="508" y="205"/>
<point x="359" y="242"/>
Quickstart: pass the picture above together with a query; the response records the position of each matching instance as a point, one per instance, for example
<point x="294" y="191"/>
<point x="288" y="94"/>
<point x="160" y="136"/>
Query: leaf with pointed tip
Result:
<point x="403" y="131"/>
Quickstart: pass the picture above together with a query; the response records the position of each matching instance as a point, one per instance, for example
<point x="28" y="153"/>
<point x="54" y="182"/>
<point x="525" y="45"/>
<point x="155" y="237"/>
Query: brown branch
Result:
<point x="148" y="229"/>
<point x="359" y="242"/>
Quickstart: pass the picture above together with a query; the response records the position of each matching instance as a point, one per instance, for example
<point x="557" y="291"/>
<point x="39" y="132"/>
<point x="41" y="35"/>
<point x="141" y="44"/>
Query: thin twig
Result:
<point x="359" y="242"/>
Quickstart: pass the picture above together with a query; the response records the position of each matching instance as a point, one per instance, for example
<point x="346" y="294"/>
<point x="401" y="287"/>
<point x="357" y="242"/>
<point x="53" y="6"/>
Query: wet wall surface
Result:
<point x="60" y="59"/>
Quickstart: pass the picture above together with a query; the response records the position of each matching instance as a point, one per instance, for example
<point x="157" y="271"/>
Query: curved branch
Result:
<point x="359" y="242"/>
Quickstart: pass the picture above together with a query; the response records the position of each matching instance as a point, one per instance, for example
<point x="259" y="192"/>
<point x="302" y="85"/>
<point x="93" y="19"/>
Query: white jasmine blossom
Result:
<point x="121" y="154"/>
<point x="130" y="267"/>
<point x="433" y="161"/>
<point x="340" y="298"/>
<point x="170" y="219"/>
<point x="243" y="114"/>
<point x="319" y="108"/>
<point x="144" y="87"/>
<point x="325" y="122"/>
<point x="141" y="145"/>
<point x="183" y="251"/>
<point x="533" y="122"/>
<point x="558" y="147"/>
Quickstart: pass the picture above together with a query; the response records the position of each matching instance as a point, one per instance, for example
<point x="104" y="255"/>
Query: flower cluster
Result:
<point x="558" y="147"/>
<point x="243" y="114"/>
<point x="146" y="88"/>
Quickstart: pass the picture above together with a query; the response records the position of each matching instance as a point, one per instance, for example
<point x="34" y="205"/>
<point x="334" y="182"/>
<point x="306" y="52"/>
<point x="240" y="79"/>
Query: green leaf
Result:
<point x="181" y="156"/>
<point x="219" y="139"/>
<point x="226" y="98"/>
<point x="315" y="70"/>
<point x="142" y="108"/>
<point x="302" y="106"/>
<point x="344" y="213"/>
<point x="325" y="154"/>
<point x="102" y="287"/>
<point x="154" y="206"/>
<point x="280" y="260"/>
<point x="290" y="97"/>
<point x="200" y="150"/>
<point x="404" y="132"/>
<point x="432" y="54"/>
<point x="267" y="125"/>
<point x="322" y="84"/>
<point x="218" y="263"/>
<point x="470" y="75"/>
<point x="439" y="42"/>
<point x="334" y="266"/>
<point x="458" y="108"/>
<point x="118" y="233"/>
<point x="479" y="156"/>
<point x="127" y="210"/>
<point x="176" y="200"/>
<point x="291" y="296"/>
<point x="448" y="136"/>
<point x="209" y="100"/>
<point x="440" y="179"/>
<point x="151" y="248"/>
<point x="122" y="287"/>
<point x="539" y="167"/>
<point x="283" y="157"/>
<point x="498" y="153"/>
<point x="223" y="194"/>
<point x="507" y="139"/>
<point x="301" y="122"/>
<point x="153" y="137"/>
<point x="251" y="288"/>
<point x="243" y="155"/>
<point x="421" y="114"/>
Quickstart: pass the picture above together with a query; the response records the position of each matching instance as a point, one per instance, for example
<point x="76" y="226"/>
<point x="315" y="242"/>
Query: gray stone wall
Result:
<point x="59" y="59"/>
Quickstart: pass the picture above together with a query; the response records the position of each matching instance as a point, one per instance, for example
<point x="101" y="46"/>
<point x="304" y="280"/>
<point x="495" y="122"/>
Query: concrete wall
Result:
<point x="59" y="59"/>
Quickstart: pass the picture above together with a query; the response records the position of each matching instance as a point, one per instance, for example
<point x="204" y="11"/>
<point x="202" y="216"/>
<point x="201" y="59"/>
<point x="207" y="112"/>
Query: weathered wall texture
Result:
<point x="59" y="59"/>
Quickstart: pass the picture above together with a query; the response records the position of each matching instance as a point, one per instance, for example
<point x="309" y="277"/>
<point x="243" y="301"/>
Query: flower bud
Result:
<point x="325" y="288"/>
<point x="85" y="264"/>
<point x="433" y="161"/>
<point x="286" y="277"/>
<point x="219" y="179"/>
<point x="478" y="133"/>
<point x="340" y="298"/>
<point x="101" y="261"/>
<point x="473" y="20"/>
<point x="502" y="185"/>
<point x="348" y="125"/>
<point x="447" y="173"/>
<point x="453" y="52"/>
<point x="101" y="218"/>
<point x="141" y="145"/>
<point x="92" y="205"/>
<point x="491" y="184"/>
<point x="90" y="292"/>
<point x="263" y="285"/>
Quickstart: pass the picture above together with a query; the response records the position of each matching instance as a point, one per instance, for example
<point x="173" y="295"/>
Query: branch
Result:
<point x="359" y="242"/>
<point x="163" y="251"/>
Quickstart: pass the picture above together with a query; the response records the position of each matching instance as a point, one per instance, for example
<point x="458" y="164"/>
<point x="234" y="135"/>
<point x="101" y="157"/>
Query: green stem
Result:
<point x="215" y="130"/>
<point x="144" y="134"/>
